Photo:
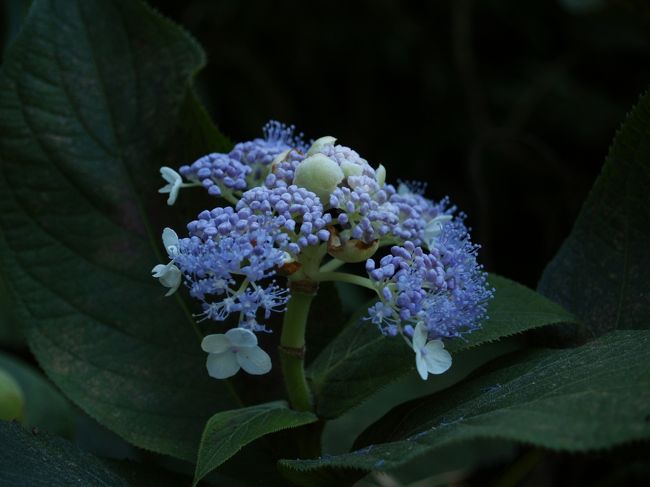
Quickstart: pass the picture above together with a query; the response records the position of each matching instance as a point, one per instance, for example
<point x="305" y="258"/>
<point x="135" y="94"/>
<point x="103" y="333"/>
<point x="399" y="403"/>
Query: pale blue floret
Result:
<point x="443" y="288"/>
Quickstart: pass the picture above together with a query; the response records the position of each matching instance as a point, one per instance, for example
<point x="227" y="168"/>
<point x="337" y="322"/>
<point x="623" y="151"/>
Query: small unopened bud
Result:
<point x="351" y="169"/>
<point x="279" y="159"/>
<point x="380" y="175"/>
<point x="320" y="174"/>
<point x="320" y="143"/>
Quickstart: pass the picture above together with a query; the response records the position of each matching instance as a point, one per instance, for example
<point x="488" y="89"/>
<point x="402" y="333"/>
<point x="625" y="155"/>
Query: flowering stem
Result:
<point x="349" y="278"/>
<point x="332" y="265"/>
<point x="292" y="350"/>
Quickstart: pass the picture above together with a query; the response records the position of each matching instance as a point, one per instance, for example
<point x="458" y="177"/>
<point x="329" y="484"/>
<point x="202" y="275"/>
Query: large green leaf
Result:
<point x="361" y="361"/>
<point x="10" y="332"/>
<point x="38" y="460"/>
<point x="45" y="407"/>
<point x="601" y="271"/>
<point x="93" y="94"/>
<point x="591" y="397"/>
<point x="12" y="401"/>
<point x="228" y="432"/>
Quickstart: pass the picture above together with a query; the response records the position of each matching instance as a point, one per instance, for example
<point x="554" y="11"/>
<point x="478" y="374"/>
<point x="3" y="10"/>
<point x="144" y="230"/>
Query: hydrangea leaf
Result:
<point x="360" y="361"/>
<point x="38" y="459"/>
<point x="10" y="333"/>
<point x="325" y="320"/>
<point x="45" y="407"/>
<point x="12" y="401"/>
<point x="592" y="397"/>
<point x="92" y="94"/>
<point x="228" y="432"/>
<point x="601" y="271"/>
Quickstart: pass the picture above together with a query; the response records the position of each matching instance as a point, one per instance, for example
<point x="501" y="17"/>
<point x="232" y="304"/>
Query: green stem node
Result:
<point x="292" y="345"/>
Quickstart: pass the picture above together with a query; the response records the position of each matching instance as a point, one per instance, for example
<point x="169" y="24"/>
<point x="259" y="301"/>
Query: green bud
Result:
<point x="319" y="143"/>
<point x="351" y="169"/>
<point x="320" y="174"/>
<point x="380" y="175"/>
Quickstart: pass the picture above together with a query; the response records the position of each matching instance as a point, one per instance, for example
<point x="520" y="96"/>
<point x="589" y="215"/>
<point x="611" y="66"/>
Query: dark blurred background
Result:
<point x="506" y="106"/>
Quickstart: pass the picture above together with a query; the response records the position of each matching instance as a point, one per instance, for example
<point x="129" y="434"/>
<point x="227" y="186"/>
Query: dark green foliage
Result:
<point x="228" y="432"/>
<point x="360" y="360"/>
<point x="591" y="397"/>
<point x="601" y="270"/>
<point x="91" y="97"/>
<point x="45" y="407"/>
<point x="36" y="459"/>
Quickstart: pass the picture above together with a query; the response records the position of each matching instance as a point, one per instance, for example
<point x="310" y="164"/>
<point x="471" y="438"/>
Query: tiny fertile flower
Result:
<point x="235" y="349"/>
<point x="174" y="181"/>
<point x="430" y="357"/>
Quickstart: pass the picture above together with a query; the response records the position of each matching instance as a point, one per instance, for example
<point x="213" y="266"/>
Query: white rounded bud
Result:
<point x="320" y="174"/>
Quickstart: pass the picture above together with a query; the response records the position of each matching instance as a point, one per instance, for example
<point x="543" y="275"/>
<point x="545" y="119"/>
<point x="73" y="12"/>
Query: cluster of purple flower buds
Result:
<point x="293" y="204"/>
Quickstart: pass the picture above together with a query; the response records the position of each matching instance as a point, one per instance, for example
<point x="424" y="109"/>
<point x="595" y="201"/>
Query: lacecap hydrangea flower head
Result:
<point x="287" y="216"/>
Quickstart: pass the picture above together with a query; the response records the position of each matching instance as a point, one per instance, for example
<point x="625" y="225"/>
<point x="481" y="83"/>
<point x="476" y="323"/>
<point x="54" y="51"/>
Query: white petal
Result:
<point x="170" y="240"/>
<point x="222" y="365"/>
<point x="421" y="365"/>
<point x="175" y="181"/>
<point x="420" y="336"/>
<point x="159" y="270"/>
<point x="171" y="278"/>
<point x="254" y="360"/>
<point x="216" y="343"/>
<point x="434" y="228"/>
<point x="438" y="359"/>
<point x="241" y="337"/>
<point x="169" y="174"/>
<point x="168" y="275"/>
